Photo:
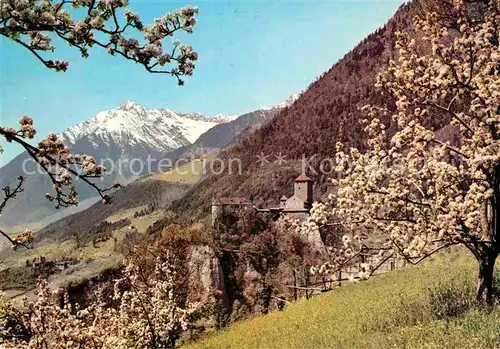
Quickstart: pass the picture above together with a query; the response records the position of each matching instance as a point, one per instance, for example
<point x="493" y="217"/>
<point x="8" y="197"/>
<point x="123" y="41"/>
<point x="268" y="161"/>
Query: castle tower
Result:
<point x="303" y="189"/>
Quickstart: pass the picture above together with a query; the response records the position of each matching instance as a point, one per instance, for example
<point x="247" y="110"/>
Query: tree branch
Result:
<point x="34" y="151"/>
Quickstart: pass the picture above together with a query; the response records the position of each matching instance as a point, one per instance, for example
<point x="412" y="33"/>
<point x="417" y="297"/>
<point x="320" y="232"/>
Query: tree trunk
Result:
<point x="484" y="293"/>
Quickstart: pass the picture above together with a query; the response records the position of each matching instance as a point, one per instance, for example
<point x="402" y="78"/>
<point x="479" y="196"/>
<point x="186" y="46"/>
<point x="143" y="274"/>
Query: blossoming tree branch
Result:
<point x="33" y="25"/>
<point x="145" y="310"/>
<point x="416" y="191"/>
<point x="29" y="23"/>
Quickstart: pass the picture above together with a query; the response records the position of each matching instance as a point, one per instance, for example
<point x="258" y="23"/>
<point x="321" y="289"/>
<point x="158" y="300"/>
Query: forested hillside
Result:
<point x="133" y="195"/>
<point x="327" y="112"/>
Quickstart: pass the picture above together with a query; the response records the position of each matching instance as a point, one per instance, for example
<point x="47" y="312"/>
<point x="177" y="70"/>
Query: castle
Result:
<point x="297" y="206"/>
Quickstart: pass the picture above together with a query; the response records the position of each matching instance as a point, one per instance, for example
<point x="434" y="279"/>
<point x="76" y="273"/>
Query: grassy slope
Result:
<point x="92" y="260"/>
<point x="188" y="173"/>
<point x="388" y="311"/>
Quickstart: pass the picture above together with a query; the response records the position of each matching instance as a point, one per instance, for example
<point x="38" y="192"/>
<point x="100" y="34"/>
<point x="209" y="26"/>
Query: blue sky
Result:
<point x="251" y="54"/>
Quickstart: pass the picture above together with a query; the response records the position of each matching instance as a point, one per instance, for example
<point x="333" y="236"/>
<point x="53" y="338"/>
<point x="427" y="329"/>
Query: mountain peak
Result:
<point x="286" y="103"/>
<point x="132" y="107"/>
<point x="126" y="104"/>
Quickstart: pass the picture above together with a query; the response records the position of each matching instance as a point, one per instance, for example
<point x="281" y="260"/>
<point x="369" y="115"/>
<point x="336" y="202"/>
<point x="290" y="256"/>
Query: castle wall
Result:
<point x="216" y="213"/>
<point x="298" y="215"/>
<point x="221" y="210"/>
<point x="294" y="202"/>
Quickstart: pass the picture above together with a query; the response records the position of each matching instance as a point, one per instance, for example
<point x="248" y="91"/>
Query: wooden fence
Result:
<point x="343" y="276"/>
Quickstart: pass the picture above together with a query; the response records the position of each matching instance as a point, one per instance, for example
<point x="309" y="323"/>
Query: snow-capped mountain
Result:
<point x="223" y="135"/>
<point x="132" y="124"/>
<point x="229" y="133"/>
<point x="129" y="140"/>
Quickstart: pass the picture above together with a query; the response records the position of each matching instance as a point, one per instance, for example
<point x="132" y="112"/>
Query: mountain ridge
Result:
<point x="328" y="111"/>
<point x="132" y="120"/>
<point x="116" y="138"/>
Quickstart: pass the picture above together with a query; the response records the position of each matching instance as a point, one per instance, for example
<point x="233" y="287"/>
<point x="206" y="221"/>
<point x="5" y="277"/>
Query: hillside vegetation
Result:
<point x="428" y="306"/>
<point x="327" y="112"/>
<point x="188" y="173"/>
<point x="134" y="195"/>
<point x="87" y="260"/>
<point x="92" y="240"/>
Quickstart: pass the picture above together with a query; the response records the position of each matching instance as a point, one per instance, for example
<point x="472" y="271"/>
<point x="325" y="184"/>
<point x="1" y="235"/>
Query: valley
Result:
<point x="360" y="212"/>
